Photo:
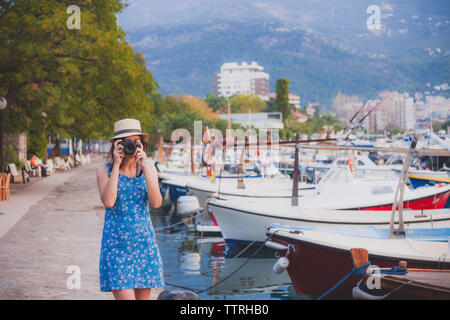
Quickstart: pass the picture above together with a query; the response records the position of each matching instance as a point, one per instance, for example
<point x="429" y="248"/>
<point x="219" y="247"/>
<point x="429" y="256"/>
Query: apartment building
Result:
<point x="242" y="78"/>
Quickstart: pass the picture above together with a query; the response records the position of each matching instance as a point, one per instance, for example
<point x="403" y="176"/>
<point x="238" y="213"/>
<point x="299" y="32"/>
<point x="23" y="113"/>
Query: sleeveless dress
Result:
<point x="129" y="257"/>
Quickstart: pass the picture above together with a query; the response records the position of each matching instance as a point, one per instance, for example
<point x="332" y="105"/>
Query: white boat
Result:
<point x="367" y="190"/>
<point x="245" y="222"/>
<point x="280" y="187"/>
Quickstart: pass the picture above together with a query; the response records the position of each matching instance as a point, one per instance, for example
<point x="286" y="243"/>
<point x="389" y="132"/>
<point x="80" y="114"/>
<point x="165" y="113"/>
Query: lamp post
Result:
<point x="3" y="105"/>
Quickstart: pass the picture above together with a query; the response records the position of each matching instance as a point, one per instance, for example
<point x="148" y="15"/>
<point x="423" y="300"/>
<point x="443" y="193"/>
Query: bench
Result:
<point x="16" y="175"/>
<point x="50" y="167"/>
<point x="32" y="172"/>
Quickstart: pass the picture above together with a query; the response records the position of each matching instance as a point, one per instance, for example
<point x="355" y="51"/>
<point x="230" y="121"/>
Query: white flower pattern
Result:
<point x="129" y="257"/>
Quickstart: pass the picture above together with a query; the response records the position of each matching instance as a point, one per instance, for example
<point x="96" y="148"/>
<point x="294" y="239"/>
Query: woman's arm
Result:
<point x="107" y="187"/>
<point x="151" y="179"/>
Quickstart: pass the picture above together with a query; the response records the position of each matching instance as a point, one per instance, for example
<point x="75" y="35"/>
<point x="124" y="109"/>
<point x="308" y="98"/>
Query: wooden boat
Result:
<point x="399" y="283"/>
<point x="318" y="260"/>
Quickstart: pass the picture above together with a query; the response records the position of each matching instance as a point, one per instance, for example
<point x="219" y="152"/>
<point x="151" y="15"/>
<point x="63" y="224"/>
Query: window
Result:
<point x="381" y="190"/>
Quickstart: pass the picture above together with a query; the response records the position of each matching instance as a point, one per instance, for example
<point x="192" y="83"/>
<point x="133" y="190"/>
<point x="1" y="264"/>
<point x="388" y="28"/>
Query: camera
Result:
<point x="129" y="147"/>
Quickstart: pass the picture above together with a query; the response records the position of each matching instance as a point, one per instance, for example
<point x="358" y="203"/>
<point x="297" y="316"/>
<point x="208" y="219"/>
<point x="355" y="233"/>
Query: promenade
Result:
<point x="49" y="225"/>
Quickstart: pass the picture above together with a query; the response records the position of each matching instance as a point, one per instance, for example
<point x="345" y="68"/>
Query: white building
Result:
<point x="395" y="110"/>
<point x="407" y="113"/>
<point x="242" y="78"/>
<point x="261" y="120"/>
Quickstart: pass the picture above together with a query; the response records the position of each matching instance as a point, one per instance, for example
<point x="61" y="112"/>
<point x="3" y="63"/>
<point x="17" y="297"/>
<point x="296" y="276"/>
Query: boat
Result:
<point x="277" y="187"/>
<point x="399" y="282"/>
<point x="361" y="202"/>
<point x="343" y="189"/>
<point x="242" y="223"/>
<point x="318" y="261"/>
<point x="418" y="181"/>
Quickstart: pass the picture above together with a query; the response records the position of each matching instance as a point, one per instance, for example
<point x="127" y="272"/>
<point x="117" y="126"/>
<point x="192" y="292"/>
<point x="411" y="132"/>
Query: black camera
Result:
<point x="129" y="146"/>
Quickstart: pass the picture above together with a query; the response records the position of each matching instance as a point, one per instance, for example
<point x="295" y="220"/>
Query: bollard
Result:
<point x="178" y="295"/>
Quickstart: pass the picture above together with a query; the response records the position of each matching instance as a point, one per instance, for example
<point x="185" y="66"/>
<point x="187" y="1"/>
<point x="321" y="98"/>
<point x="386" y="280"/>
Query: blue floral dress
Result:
<point x="129" y="257"/>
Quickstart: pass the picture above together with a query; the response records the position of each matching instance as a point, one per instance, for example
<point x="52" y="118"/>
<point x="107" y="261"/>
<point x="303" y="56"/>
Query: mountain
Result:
<point x="143" y="13"/>
<point x="405" y="24"/>
<point x="186" y="44"/>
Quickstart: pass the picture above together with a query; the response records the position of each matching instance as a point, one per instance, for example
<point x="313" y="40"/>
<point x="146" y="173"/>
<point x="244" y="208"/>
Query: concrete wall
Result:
<point x="18" y="142"/>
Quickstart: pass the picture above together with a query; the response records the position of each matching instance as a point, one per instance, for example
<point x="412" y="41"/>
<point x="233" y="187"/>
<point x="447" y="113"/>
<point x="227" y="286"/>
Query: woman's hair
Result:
<point x="110" y="157"/>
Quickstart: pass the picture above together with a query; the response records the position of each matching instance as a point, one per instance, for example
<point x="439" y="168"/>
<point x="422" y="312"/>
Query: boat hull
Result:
<point x="203" y="194"/>
<point x="241" y="226"/>
<point x="424" y="181"/>
<point x="314" y="269"/>
<point x="436" y="201"/>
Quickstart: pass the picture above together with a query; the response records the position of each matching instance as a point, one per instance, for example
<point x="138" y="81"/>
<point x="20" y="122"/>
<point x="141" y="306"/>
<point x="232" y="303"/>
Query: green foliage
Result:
<point x="327" y="122"/>
<point x="36" y="144"/>
<point x="172" y="113"/>
<point x="271" y="105"/>
<point x="10" y="155"/>
<point x="243" y="103"/>
<point x="216" y="103"/>
<point x="282" y="99"/>
<point x="437" y="126"/>
<point x="79" y="81"/>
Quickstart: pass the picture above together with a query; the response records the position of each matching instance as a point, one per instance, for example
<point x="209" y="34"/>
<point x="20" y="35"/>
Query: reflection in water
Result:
<point x="255" y="276"/>
<point x="195" y="261"/>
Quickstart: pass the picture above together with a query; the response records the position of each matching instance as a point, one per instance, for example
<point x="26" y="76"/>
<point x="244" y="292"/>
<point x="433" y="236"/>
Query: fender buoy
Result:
<point x="359" y="294"/>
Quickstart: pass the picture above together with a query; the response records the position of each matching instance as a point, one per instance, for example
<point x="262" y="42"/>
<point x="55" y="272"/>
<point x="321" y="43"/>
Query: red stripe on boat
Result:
<point x="433" y="202"/>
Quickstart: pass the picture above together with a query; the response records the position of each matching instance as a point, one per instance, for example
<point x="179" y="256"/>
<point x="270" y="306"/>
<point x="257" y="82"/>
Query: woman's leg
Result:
<point x="142" y="294"/>
<point x="125" y="294"/>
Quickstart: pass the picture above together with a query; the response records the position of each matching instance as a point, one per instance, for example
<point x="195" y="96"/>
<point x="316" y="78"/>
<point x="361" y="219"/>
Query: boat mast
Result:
<point x="240" y="180"/>
<point x="399" y="232"/>
<point x="295" y="175"/>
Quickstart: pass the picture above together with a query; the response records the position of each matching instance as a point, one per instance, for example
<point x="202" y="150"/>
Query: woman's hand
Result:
<point x="141" y="156"/>
<point x="118" y="152"/>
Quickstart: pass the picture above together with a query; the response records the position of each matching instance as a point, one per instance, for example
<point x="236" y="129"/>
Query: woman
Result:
<point x="130" y="263"/>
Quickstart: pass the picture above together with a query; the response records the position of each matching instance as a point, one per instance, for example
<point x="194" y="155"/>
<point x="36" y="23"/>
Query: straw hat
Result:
<point x="128" y="127"/>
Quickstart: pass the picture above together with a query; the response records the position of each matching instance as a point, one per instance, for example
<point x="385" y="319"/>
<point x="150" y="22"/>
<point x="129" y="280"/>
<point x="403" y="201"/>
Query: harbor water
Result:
<point x="206" y="265"/>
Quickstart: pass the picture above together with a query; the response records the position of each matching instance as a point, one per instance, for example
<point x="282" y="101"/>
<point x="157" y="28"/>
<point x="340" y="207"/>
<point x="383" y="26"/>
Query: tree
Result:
<point x="217" y="103"/>
<point x="243" y="103"/>
<point x="271" y="107"/>
<point x="282" y="100"/>
<point x="329" y="121"/>
<point x="197" y="105"/>
<point x="84" y="80"/>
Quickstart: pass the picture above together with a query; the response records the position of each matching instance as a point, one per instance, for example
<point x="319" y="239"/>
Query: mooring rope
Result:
<point x="356" y="271"/>
<point x="359" y="271"/>
<point x="224" y="279"/>
<point x="183" y="221"/>
<point x="232" y="273"/>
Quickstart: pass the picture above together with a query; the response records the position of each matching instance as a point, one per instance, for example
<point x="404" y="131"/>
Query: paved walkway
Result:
<point x="48" y="226"/>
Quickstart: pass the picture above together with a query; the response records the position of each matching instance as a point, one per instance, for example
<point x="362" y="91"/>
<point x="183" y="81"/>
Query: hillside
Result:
<point x="185" y="57"/>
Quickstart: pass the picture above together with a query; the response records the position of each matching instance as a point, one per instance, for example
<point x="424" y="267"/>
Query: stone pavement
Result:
<point x="48" y="226"/>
